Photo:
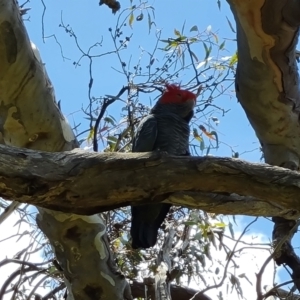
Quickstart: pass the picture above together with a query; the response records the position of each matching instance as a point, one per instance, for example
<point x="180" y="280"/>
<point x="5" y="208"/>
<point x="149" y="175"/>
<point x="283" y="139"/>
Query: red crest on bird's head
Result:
<point x="173" y="94"/>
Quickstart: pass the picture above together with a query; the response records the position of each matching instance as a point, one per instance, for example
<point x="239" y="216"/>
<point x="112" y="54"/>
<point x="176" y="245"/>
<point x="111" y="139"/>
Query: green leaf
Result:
<point x="113" y="118"/>
<point x="112" y="138"/>
<point x="177" y="33"/>
<point x="202" y="145"/>
<point x="216" y="37"/>
<point x="216" y="120"/>
<point x="183" y="26"/>
<point x="194" y="28"/>
<point x="243" y="275"/>
<point x="149" y="22"/>
<point x="152" y="60"/>
<point x="140" y="17"/>
<point x="91" y="118"/>
<point x="231" y="229"/>
<point x="233" y="60"/>
<point x="220" y="225"/>
<point x="197" y="136"/>
<point x="193" y="40"/>
<point x="91" y="134"/>
<point x="194" y="55"/>
<point x="230" y="25"/>
<point x="221" y="47"/>
<point x="207" y="51"/>
<point x="207" y="151"/>
<point x="235" y="155"/>
<point x="131" y="19"/>
<point x="52" y="270"/>
<point x="173" y="44"/>
<point x="109" y="120"/>
<point x="216" y="136"/>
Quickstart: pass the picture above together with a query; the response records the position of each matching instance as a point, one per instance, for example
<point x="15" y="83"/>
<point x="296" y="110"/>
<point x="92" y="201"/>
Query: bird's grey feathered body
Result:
<point x="165" y="129"/>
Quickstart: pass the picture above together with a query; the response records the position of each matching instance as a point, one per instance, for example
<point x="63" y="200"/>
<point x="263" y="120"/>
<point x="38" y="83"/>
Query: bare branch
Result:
<point x="87" y="183"/>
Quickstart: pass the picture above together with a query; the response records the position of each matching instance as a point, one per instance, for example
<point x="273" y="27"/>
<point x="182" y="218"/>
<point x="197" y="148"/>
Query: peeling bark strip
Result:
<point x="87" y="183"/>
<point x="268" y="88"/>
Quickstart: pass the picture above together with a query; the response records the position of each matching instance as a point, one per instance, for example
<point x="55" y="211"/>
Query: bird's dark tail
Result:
<point x="146" y="220"/>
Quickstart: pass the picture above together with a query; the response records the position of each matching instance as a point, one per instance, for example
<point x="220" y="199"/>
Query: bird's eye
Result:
<point x="179" y="95"/>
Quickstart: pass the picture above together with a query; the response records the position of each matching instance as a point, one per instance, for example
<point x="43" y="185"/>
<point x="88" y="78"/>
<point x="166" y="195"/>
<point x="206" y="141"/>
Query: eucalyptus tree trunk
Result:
<point x="31" y="118"/>
<point x="267" y="86"/>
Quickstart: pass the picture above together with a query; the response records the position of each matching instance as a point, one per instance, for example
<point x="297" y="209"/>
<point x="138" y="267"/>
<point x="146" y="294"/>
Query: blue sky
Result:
<point x="91" y="22"/>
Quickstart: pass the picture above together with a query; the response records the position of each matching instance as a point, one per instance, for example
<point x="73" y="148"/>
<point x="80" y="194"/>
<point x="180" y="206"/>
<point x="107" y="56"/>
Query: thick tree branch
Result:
<point x="87" y="183"/>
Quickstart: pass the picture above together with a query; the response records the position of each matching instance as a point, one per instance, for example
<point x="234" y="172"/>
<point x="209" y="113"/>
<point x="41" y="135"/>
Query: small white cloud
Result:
<point x="204" y="62"/>
<point x="225" y="58"/>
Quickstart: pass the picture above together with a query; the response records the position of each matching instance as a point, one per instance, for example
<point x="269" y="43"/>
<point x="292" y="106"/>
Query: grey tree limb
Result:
<point x="87" y="183"/>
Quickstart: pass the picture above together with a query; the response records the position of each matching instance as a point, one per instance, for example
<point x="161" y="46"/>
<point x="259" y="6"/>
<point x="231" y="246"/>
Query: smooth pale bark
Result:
<point x="267" y="86"/>
<point x="267" y="80"/>
<point x="30" y="118"/>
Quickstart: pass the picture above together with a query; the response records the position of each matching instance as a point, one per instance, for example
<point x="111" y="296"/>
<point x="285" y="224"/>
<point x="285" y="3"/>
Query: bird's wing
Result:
<point x="146" y="219"/>
<point x="145" y="135"/>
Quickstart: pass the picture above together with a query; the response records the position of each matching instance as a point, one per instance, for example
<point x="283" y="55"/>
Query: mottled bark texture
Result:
<point x="88" y="183"/>
<point x="267" y="86"/>
<point x="72" y="238"/>
<point x="30" y="118"/>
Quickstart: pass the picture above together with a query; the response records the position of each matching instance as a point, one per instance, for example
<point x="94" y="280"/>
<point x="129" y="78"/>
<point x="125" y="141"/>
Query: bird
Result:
<point x="166" y="129"/>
